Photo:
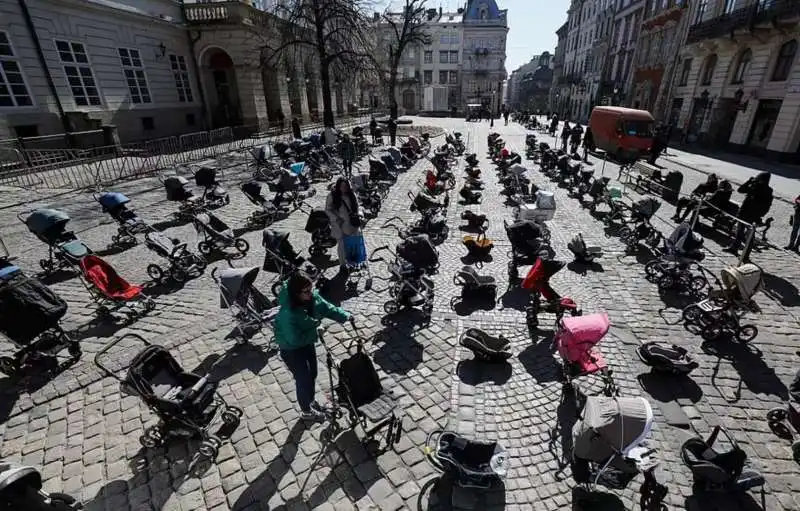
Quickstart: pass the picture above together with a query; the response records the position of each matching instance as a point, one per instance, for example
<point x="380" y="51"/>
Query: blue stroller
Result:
<point x="65" y="250"/>
<point x="129" y="223"/>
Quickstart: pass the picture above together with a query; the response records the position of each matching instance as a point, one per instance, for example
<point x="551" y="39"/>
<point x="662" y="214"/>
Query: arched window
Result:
<point x="708" y="70"/>
<point x="742" y="66"/>
<point x="785" y="60"/>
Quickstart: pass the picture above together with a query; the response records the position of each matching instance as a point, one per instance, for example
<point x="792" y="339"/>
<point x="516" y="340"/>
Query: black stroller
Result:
<point x="21" y="489"/>
<point x="129" y="223"/>
<point x="472" y="464"/>
<point x="528" y="242"/>
<point x="475" y="287"/>
<point x="177" y="189"/>
<point x="719" y="471"/>
<point x="237" y="293"/>
<point x="319" y="226"/>
<point x="288" y="185"/>
<point x="432" y="224"/>
<point x="485" y="347"/>
<point x="267" y="211"/>
<point x="216" y="235"/>
<point x="214" y="195"/>
<point x="380" y="172"/>
<point x="423" y="201"/>
<point x="681" y="254"/>
<point x="187" y="404"/>
<point x="415" y="257"/>
<point x="280" y="257"/>
<point x="469" y="196"/>
<point x="65" y="250"/>
<point x="183" y="264"/>
<point x="475" y="221"/>
<point x="29" y="317"/>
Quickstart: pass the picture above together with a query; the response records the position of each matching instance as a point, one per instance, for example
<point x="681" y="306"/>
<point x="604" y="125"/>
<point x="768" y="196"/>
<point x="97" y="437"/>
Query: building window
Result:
<point x="442" y="77"/>
<point x="708" y="70"/>
<point x="148" y="124"/>
<point x="428" y="57"/>
<point x="453" y="77"/>
<point x="785" y="60"/>
<point x="454" y="57"/>
<point x="79" y="73"/>
<point x="730" y="5"/>
<point x="742" y="66"/>
<point x="685" y="70"/>
<point x="443" y="57"/>
<point x="181" y="74"/>
<point x="133" y="70"/>
<point x="427" y="77"/>
<point x="13" y="89"/>
<point x="702" y="5"/>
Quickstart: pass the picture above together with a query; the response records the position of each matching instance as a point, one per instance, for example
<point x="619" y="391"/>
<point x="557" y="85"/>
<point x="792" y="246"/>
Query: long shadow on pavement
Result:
<point x="747" y="361"/>
<point x="781" y="290"/>
<point x="399" y="352"/>
<point x="442" y="493"/>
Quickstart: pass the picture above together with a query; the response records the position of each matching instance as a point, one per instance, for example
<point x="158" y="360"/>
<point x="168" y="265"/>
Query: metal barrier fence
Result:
<point x="100" y="166"/>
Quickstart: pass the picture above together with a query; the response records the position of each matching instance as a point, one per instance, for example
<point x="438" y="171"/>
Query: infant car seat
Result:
<point x="486" y="347"/>
<point x="719" y="471"/>
<point x="469" y="196"/>
<point x="666" y="357"/>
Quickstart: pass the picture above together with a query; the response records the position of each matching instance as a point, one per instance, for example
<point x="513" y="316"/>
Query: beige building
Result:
<point x="738" y="84"/>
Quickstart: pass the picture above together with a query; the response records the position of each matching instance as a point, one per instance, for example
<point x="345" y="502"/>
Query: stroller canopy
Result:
<point x="175" y="182"/>
<point x="211" y="222"/>
<point x="205" y="176"/>
<point x="27" y="306"/>
<point x="418" y="250"/>
<point x="611" y="426"/>
<point x="274" y="239"/>
<point x="297" y="168"/>
<point x="111" y="200"/>
<point x="317" y="219"/>
<point x="45" y="220"/>
<point x="684" y="240"/>
<point x="589" y="329"/>
<point x="106" y="279"/>
<point x="545" y="200"/>
<point x="252" y="190"/>
<point x="517" y="170"/>
<point x="541" y="271"/>
<point x="747" y="279"/>
<point x="523" y="232"/>
<point x="235" y="283"/>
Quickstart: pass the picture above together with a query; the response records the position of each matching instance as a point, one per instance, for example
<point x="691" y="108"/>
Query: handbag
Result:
<point x="355" y="249"/>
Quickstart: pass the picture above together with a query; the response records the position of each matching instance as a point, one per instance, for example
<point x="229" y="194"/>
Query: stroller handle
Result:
<point x="111" y="344"/>
<point x="374" y="259"/>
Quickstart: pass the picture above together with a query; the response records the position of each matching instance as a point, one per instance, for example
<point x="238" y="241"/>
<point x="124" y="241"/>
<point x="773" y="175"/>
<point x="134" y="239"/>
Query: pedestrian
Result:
<point x="565" y="132"/>
<point x="302" y="310"/>
<point x="588" y="143"/>
<point x="296" y="128"/>
<point x="575" y="135"/>
<point x="658" y="145"/>
<point x="373" y="130"/>
<point x="345" y="216"/>
<point x="667" y="136"/>
<point x="281" y="121"/>
<point x="701" y="192"/>
<point x="794" y="221"/>
<point x="505" y="116"/>
<point x="392" y="131"/>
<point x="756" y="204"/>
<point x="553" y="125"/>
<point x="347" y="150"/>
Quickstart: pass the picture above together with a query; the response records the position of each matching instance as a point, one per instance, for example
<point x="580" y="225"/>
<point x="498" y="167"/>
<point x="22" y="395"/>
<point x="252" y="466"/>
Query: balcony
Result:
<point x="724" y="25"/>
<point x="499" y="22"/>
<point x="778" y="11"/>
<point x="226" y="13"/>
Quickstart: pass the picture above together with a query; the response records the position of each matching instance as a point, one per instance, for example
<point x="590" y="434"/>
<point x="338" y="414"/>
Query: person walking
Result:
<point x="658" y="145"/>
<point x="347" y="150"/>
<point x="302" y="310"/>
<point x="588" y="144"/>
<point x="296" y="128"/>
<point x="505" y="117"/>
<point x="575" y="136"/>
<point x="565" y="132"/>
<point x="373" y="130"/>
<point x="794" y="220"/>
<point x="756" y="204"/>
<point x="553" y="125"/>
<point x="392" y="131"/>
<point x="345" y="216"/>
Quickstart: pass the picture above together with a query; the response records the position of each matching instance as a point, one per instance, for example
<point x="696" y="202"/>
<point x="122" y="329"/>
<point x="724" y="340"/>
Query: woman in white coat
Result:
<point x="345" y="216"/>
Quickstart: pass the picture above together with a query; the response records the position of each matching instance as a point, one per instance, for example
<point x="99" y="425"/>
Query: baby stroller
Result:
<point x="378" y="171"/>
<point x="21" y="488"/>
<point x="576" y="339"/>
<point x="423" y="201"/>
<point x="475" y="287"/>
<point x="479" y="247"/>
<point x="537" y="281"/>
<point x="666" y="358"/>
<point x="681" y="254"/>
<point x="216" y="235"/>
<point x="129" y="224"/>
<point x="177" y="188"/>
<point x="214" y="195"/>
<point x="410" y="286"/>
<point x="475" y="222"/>
<point x="540" y="211"/>
<point x="472" y="464"/>
<point x="608" y="442"/>
<point x="248" y="306"/>
<point x="109" y="291"/>
<point x="319" y="226"/>
<point x="583" y="253"/>
<point x="639" y="227"/>
<point x="721" y="313"/>
<point x="485" y="347"/>
<point x="433" y="224"/>
<point x="471" y="159"/>
<point x="469" y="196"/>
<point x="528" y="243"/>
<point x="719" y="471"/>
<point x="29" y="317"/>
<point x="65" y="250"/>
<point x="183" y="264"/>
<point x="287" y="186"/>
<point x="186" y="404"/>
<point x="267" y="212"/>
<point x="280" y="257"/>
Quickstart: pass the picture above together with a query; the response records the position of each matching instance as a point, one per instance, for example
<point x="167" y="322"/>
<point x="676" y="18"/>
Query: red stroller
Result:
<point x="576" y="339"/>
<point x="538" y="282"/>
<point x="110" y="291"/>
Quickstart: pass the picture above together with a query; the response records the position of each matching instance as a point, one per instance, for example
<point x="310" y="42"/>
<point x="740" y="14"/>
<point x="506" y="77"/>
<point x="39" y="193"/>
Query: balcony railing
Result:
<point x="500" y="22"/>
<point x="225" y="13"/>
<point x="724" y="25"/>
<point x="777" y="10"/>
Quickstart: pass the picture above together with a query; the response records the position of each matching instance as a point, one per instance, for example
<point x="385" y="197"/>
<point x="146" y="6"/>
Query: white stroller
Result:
<point x="21" y="488"/>
<point x="248" y="306"/>
<point x="540" y="211"/>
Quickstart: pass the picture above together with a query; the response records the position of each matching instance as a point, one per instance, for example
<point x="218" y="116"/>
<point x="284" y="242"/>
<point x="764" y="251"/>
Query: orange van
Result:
<point x="622" y="132"/>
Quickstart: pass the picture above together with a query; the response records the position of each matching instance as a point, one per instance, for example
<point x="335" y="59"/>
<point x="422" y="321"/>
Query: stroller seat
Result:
<point x="719" y="471"/>
<point x="107" y="280"/>
<point x="666" y="357"/>
<point x="75" y="249"/>
<point x="487" y="342"/>
<point x="476" y="463"/>
<point x="467" y="276"/>
<point x="363" y="387"/>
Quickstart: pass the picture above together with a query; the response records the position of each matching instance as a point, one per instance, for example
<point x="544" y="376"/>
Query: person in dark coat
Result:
<point x="687" y="204"/>
<point x="392" y="131"/>
<point x="347" y="150"/>
<point x="757" y="203"/>
<point x="565" y="133"/>
<point x="658" y="146"/>
<point x="281" y="121"/>
<point x="553" y="125"/>
<point x="575" y="138"/>
<point x="588" y="143"/>
<point x="373" y="127"/>
<point x="296" y="128"/>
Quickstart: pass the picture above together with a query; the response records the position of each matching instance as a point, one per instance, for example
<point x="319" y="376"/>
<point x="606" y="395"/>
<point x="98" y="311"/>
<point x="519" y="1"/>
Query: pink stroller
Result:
<point x="576" y="339"/>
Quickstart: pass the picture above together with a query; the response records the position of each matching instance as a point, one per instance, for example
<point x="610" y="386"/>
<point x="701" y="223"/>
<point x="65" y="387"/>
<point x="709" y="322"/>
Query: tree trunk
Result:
<point x="393" y="94"/>
<point x="327" y="106"/>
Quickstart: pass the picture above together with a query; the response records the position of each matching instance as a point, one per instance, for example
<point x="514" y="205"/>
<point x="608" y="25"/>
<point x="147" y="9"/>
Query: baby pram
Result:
<point x="420" y="252"/>
<point x="21" y="489"/>
<point x="288" y="185"/>
<point x="423" y="201"/>
<point x="214" y="195"/>
<point x="638" y="227"/>
<point x="186" y="404"/>
<point x="267" y="211"/>
<point x="410" y="287"/>
<point x="472" y="464"/>
<point x="576" y="339"/>
<point x="129" y="223"/>
<point x="537" y="281"/>
<point x="280" y="257"/>
<point x="216" y="235"/>
<point x="248" y="306"/>
<point x="475" y="221"/>
<point x="433" y="224"/>
<point x="682" y="253"/>
<point x="528" y="242"/>
<point x="177" y="189"/>
<point x="721" y="313"/>
<point x="65" y="250"/>
<point x="109" y="291"/>
<point x="608" y="442"/>
<point x="183" y="264"/>
<point x="319" y="226"/>
<point x="29" y="317"/>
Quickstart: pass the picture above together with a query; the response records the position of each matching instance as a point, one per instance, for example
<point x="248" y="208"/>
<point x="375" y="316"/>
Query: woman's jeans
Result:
<point x="302" y="363"/>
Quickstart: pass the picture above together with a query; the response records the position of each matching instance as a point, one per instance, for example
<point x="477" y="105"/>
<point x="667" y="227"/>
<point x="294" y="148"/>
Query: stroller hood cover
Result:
<point x="297" y="168"/>
<point x="317" y="219"/>
<point x="160" y="242"/>
<point x="273" y="239"/>
<point x="684" y="240"/>
<point x="175" y="182"/>
<point x="19" y="476"/>
<point x="395" y="154"/>
<point x="517" y="170"/>
<point x="523" y="233"/>
<point x="27" y="307"/>
<point x="214" y="223"/>
<point x="425" y="201"/>
<point x="233" y="281"/>
<point x="611" y="426"/>
<point x="747" y="279"/>
<point x="252" y="189"/>
<point x="646" y="207"/>
<point x="418" y="250"/>
<point x="545" y="200"/>
<point x="589" y="329"/>
<point x="107" y="281"/>
<point x="110" y="200"/>
<point x="205" y="177"/>
<point x="42" y="220"/>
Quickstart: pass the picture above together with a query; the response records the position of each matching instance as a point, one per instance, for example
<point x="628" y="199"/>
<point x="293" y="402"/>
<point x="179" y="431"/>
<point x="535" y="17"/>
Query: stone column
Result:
<point x="303" y="96"/>
<point x="286" y="103"/>
<point x="251" y="96"/>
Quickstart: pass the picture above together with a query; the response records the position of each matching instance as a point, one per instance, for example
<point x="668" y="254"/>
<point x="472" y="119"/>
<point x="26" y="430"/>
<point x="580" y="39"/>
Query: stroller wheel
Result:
<point x="103" y="311"/>
<point x="692" y="314"/>
<point x="46" y="265"/>
<point x="711" y="333"/>
<point x="179" y="275"/>
<point x="391" y="307"/>
<point x="208" y="449"/>
<point x="698" y="283"/>
<point x="228" y="417"/>
<point x="778" y="414"/>
<point x="746" y="333"/>
<point x="200" y="263"/>
<point x="652" y="271"/>
<point x="74" y="350"/>
<point x="155" y="272"/>
<point x="666" y="281"/>
<point x="204" y="248"/>
<point x="276" y="287"/>
<point x="152" y="437"/>
<point x="241" y="245"/>
<point x="315" y="250"/>
<point x="8" y="366"/>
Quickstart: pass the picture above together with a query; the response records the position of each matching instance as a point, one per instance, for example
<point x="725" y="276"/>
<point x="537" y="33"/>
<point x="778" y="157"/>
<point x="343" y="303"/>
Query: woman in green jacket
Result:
<point x="302" y="310"/>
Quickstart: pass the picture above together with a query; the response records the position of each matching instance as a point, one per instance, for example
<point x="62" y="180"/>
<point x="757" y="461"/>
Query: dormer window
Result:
<point x="483" y="13"/>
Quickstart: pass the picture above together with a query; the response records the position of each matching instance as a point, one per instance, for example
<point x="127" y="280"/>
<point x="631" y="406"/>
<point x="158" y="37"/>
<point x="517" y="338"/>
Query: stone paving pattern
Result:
<point x="84" y="433"/>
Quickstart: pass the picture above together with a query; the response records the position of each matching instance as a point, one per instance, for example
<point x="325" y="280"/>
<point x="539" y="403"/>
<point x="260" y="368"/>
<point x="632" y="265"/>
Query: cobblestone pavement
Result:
<point x="84" y="434"/>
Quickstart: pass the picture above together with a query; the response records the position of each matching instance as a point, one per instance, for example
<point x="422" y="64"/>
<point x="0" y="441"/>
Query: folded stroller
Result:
<point x="486" y="347"/>
<point x="583" y="254"/>
<point x="280" y="257"/>
<point x="472" y="464"/>
<point x="721" y="313"/>
<point x="186" y="404"/>
<point x="129" y="224"/>
<point x="248" y="306"/>
<point x="109" y="291"/>
<point x="608" y="442"/>
<point x="666" y="358"/>
<point x="719" y="471"/>
<point x="214" y="195"/>
<point x="21" y="489"/>
<point x="29" y="317"/>
<point x="475" y="221"/>
<point x="65" y="250"/>
<point x="319" y="226"/>
<point x="267" y="211"/>
<point x="183" y="264"/>
<point x="216" y="235"/>
<point x="576" y="339"/>
<point x="537" y="281"/>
